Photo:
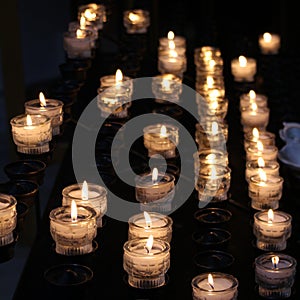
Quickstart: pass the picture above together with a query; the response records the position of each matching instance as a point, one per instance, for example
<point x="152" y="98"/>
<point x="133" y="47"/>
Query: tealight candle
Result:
<point x="246" y="100"/>
<point x="275" y="275"/>
<point x="272" y="229"/>
<point x="78" y="44"/>
<point x="210" y="156"/>
<point x="271" y="167"/>
<point x="146" y="261"/>
<point x="243" y="69"/>
<point x="94" y="14"/>
<point x="136" y="21"/>
<point x="269" y="43"/>
<point x="265" y="190"/>
<point x="8" y="218"/>
<point x="254" y="116"/>
<point x="266" y="152"/>
<point x="252" y="137"/>
<point x="161" y="139"/>
<point x="213" y="182"/>
<point x="150" y="223"/>
<point x="155" y="190"/>
<point x="50" y="107"/>
<point x="166" y="42"/>
<point x="31" y="133"/>
<point x="73" y="229"/>
<point x="205" y="84"/>
<point x="87" y="194"/>
<point x="214" y="286"/>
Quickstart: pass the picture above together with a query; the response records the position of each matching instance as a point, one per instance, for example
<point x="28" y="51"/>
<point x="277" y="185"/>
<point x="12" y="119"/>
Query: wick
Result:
<point x="147" y="249"/>
<point x="211" y="286"/>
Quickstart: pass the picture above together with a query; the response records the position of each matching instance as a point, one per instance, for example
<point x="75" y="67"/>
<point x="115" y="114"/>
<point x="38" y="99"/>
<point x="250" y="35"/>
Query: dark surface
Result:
<point x="277" y="79"/>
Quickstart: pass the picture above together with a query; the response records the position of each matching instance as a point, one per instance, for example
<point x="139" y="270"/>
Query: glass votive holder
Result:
<point x="113" y="102"/>
<point x="73" y="230"/>
<point x="146" y="264"/>
<point x="165" y="42"/>
<point x="270" y="167"/>
<point x="87" y="194"/>
<point x="212" y="216"/>
<point x="136" y="21"/>
<point x="166" y="87"/>
<point x="161" y="139"/>
<point x="93" y="13"/>
<point x="272" y="229"/>
<point x="215" y="285"/>
<point x="266" y="152"/>
<point x="52" y="108"/>
<point x="213" y="183"/>
<point x="265" y="191"/>
<point x="155" y="194"/>
<point x="31" y="133"/>
<point x="265" y="137"/>
<point x="211" y="135"/>
<point x="269" y="43"/>
<point x="8" y="218"/>
<point x="255" y="117"/>
<point x="172" y="64"/>
<point x="275" y="275"/>
<point x="243" y="69"/>
<point x="206" y="53"/>
<point x="78" y="45"/>
<point x="75" y="25"/>
<point x="207" y="83"/>
<point x="150" y="223"/>
<point x="246" y="99"/>
<point x="209" y="156"/>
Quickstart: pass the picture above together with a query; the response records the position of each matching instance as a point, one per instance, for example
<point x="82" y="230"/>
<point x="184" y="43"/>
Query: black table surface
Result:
<point x="275" y="78"/>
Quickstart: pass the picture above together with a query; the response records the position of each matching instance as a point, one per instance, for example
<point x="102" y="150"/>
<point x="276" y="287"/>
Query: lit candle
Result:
<point x="275" y="275"/>
<point x="211" y="157"/>
<point x="136" y="21"/>
<point x="269" y="43"/>
<point x="50" y="107"/>
<point x="73" y="229"/>
<point x="246" y="100"/>
<point x="272" y="229"/>
<point x="146" y="261"/>
<point x="243" y="69"/>
<point x="150" y="223"/>
<point x="94" y="14"/>
<point x="254" y="116"/>
<point x="166" y="42"/>
<point x="265" y="190"/>
<point x="31" y="133"/>
<point x="155" y="190"/>
<point x="252" y="137"/>
<point x="259" y="150"/>
<point x="161" y="139"/>
<point x="87" y="194"/>
<point x="215" y="286"/>
<point x="8" y="218"/>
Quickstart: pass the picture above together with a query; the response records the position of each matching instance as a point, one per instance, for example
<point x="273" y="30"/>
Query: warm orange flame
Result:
<point x="267" y="37"/>
<point x="73" y="211"/>
<point x="82" y="22"/>
<point x="275" y="261"/>
<point x="173" y="53"/>
<point x="42" y="99"/>
<point x="119" y="76"/>
<point x="212" y="63"/>
<point x="80" y="34"/>
<point x="90" y="15"/>
<point x="253" y="106"/>
<point x="163" y="131"/>
<point x="154" y="175"/>
<point x="149" y="243"/>
<point x="213" y="172"/>
<point x="242" y="61"/>
<point x="262" y="175"/>
<point x="270" y="216"/>
<point x="260" y="146"/>
<point x="214" y="128"/>
<point x="147" y="220"/>
<point x="210" y="81"/>
<point x="171" y="35"/>
<point x="28" y="120"/>
<point x="210" y="281"/>
<point x="255" y="134"/>
<point x="85" y="191"/>
<point x="133" y="17"/>
<point x="261" y="162"/>
<point x="166" y="84"/>
<point x="252" y="95"/>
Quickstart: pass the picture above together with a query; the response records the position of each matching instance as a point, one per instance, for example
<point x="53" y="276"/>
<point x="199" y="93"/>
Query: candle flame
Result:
<point x="208" y="54"/>
<point x="171" y="35"/>
<point x="210" y="281"/>
<point x="80" y="34"/>
<point x="173" y="53"/>
<point x="154" y="175"/>
<point x="260" y="146"/>
<point x="261" y="162"/>
<point x="147" y="220"/>
<point x="214" y="94"/>
<point x="211" y="157"/>
<point x="242" y="61"/>
<point x="119" y="76"/>
<point x="212" y="63"/>
<point x="252" y="95"/>
<point x="255" y="133"/>
<point x="214" y="128"/>
<point x="85" y="191"/>
<point x="253" y="106"/>
<point x="42" y="99"/>
<point x="90" y="15"/>
<point x="133" y="17"/>
<point x="214" y="104"/>
<point x="166" y="84"/>
<point x="262" y="175"/>
<point x="210" y="81"/>
<point x="73" y="211"/>
<point x="171" y="44"/>
<point x="270" y="216"/>
<point x="213" y="172"/>
<point x="82" y="22"/>
<point x="149" y="243"/>
<point x="275" y="261"/>
<point x="28" y="120"/>
<point x="163" y="131"/>
<point x="267" y="37"/>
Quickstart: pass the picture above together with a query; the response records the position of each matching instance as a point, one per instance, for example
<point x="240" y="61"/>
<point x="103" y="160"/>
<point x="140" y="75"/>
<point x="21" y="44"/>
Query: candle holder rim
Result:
<point x="259" y="109"/>
<point x="256" y="179"/>
<point x="12" y="201"/>
<point x="288" y="217"/>
<point x="265" y="257"/>
<point x="225" y="168"/>
<point x="45" y="119"/>
<point x="213" y="229"/>
<point x="40" y="163"/>
<point x="269" y="162"/>
<point x="72" y="34"/>
<point x="136" y="217"/>
<point x="169" y="176"/>
<point x="225" y="212"/>
<point x="92" y="187"/>
<point x="136" y="11"/>
<point x="158" y="126"/>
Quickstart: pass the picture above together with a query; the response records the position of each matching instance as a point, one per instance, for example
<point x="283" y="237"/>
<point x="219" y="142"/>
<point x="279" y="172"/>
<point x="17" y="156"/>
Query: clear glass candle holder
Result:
<point x="179" y="42"/>
<point x="155" y="195"/>
<point x="243" y="70"/>
<point x="206" y="53"/>
<point x="269" y="43"/>
<point x="267" y="153"/>
<point x="78" y="46"/>
<point x="275" y="281"/>
<point x="146" y="270"/>
<point x="31" y="137"/>
<point x="53" y="109"/>
<point x="94" y="14"/>
<point x="95" y="196"/>
<point x="166" y="87"/>
<point x="260" y="99"/>
<point x="211" y="107"/>
<point x="213" y="183"/>
<point x="270" y="167"/>
<point x="8" y="218"/>
<point x="169" y="64"/>
<point x="74" y="25"/>
<point x="209" y="156"/>
<point x="73" y="237"/>
<point x="265" y="137"/>
<point x="113" y="101"/>
<point x="265" y="194"/>
<point x="258" y="118"/>
<point x="158" y="225"/>
<point x="272" y="234"/>
<point x="136" y="21"/>
<point x="159" y="142"/>
<point x="208" y="83"/>
<point x="224" y="286"/>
